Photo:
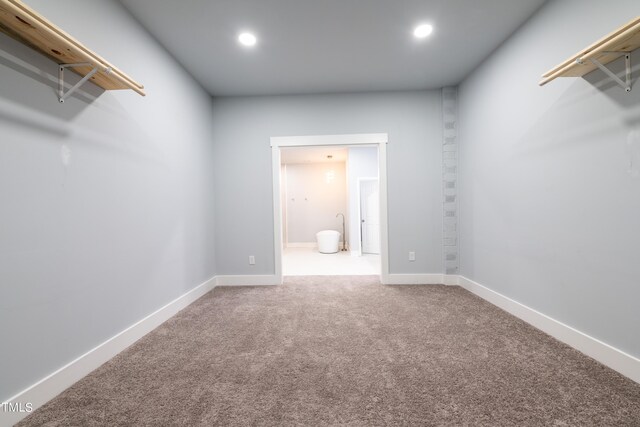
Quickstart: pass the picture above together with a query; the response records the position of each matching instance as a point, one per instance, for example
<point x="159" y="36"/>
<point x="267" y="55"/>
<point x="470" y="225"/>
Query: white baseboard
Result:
<point x="49" y="387"/>
<point x="248" y="280"/>
<point x="450" y="279"/>
<point x="302" y="245"/>
<point x="414" y="279"/>
<point x="615" y="359"/>
<point x="52" y="385"/>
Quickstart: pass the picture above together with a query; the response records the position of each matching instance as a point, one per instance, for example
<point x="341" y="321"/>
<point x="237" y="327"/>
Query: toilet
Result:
<point x="328" y="241"/>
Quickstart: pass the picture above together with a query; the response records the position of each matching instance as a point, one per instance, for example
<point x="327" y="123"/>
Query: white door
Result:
<point x="370" y="216"/>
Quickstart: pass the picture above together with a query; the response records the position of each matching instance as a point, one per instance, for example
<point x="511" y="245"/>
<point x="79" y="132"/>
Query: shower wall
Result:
<point x="315" y="193"/>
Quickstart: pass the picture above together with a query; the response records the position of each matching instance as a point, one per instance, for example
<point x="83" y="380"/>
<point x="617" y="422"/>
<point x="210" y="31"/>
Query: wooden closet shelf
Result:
<point x="623" y="40"/>
<point x="27" y="26"/>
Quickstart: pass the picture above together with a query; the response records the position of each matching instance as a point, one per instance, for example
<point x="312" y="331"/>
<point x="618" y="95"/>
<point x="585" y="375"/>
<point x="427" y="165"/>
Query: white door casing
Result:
<point x="376" y="139"/>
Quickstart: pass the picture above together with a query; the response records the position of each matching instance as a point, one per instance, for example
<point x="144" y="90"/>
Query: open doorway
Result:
<point x="330" y="211"/>
<point x="314" y="176"/>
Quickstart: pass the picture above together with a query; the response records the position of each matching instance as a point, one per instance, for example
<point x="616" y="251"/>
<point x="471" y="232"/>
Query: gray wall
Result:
<point x="242" y="165"/>
<point x="91" y="245"/>
<point x="549" y="183"/>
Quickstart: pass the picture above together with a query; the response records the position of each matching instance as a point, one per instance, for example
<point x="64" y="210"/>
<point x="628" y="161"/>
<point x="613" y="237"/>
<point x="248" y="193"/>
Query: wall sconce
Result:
<point x="329" y="176"/>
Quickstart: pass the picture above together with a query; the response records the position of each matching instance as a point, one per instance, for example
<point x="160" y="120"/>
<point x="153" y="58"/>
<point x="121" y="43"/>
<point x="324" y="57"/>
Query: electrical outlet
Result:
<point x="252" y="260"/>
<point x="412" y="256"/>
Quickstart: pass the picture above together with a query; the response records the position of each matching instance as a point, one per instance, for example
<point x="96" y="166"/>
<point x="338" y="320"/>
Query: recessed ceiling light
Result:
<point x="422" y="31"/>
<point x="247" y="39"/>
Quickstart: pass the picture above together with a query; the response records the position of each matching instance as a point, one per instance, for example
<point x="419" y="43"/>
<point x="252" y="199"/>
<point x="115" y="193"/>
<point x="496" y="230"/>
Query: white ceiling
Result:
<point x="291" y="155"/>
<point x="329" y="46"/>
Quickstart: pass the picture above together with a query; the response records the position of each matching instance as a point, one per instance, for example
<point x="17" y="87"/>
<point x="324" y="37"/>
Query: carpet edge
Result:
<point x="610" y="356"/>
<point x="55" y="383"/>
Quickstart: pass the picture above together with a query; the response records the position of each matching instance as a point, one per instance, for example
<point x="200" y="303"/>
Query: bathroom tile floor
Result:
<point x="310" y="262"/>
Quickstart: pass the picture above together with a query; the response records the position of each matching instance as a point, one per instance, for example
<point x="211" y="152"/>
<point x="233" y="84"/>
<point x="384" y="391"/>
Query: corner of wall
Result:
<point x="450" y="179"/>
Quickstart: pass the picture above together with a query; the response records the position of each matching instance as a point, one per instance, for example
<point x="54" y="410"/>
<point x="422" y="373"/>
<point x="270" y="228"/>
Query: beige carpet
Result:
<point x="346" y="351"/>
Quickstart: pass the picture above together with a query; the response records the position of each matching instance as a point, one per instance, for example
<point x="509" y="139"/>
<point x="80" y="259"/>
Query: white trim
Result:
<point x="49" y="387"/>
<point x="277" y="213"/>
<point x="378" y="139"/>
<point x="46" y="389"/>
<point x="302" y="245"/>
<point x="451" y="279"/>
<point x="604" y="353"/>
<point x="248" y="280"/>
<point x="384" y="213"/>
<point x="415" y="279"/>
<point x="348" y="139"/>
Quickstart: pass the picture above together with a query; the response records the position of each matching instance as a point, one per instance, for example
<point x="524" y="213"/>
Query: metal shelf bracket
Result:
<point x="626" y="85"/>
<point x="62" y="95"/>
